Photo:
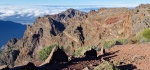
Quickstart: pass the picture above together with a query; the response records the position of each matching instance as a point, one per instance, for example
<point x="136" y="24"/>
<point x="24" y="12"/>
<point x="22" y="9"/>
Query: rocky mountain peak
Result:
<point x="68" y="14"/>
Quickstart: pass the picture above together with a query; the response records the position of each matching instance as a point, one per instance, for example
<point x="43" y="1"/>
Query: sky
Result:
<point x="74" y="2"/>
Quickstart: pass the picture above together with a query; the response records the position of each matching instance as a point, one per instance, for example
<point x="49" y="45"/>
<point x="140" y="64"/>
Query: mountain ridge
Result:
<point x="77" y="29"/>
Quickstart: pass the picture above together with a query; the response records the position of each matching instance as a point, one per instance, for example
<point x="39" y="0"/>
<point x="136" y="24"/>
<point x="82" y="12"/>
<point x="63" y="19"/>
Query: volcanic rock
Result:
<point x="73" y="29"/>
<point x="91" y="53"/>
<point x="57" y="55"/>
<point x="29" y="66"/>
<point x="4" y="67"/>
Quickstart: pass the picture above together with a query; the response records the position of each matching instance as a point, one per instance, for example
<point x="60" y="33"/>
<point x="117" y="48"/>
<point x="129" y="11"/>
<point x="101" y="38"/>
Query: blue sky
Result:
<point x="74" y="2"/>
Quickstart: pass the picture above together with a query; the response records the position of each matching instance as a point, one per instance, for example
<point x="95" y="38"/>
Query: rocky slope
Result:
<point x="73" y="29"/>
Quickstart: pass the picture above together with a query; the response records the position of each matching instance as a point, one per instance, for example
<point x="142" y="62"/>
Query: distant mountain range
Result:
<point x="9" y="30"/>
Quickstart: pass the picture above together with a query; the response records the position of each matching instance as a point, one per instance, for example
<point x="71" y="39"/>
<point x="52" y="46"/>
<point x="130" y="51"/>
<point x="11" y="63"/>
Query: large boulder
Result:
<point x="29" y="66"/>
<point x="91" y="53"/>
<point x="57" y="55"/>
<point x="4" y="67"/>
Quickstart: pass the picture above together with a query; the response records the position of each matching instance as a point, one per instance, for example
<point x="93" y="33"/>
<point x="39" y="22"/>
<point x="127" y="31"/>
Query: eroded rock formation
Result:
<point x="73" y="29"/>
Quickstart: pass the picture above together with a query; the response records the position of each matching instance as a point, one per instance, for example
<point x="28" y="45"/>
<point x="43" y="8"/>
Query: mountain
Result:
<point x="9" y="30"/>
<point x="73" y="29"/>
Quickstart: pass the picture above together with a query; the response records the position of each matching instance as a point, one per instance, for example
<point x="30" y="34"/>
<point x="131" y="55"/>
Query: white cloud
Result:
<point x="22" y="14"/>
<point x="34" y="11"/>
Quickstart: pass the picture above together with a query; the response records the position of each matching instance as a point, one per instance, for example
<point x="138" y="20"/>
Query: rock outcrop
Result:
<point x="73" y="29"/>
<point x="91" y="53"/>
<point x="56" y="56"/>
<point x="4" y="67"/>
<point x="29" y="66"/>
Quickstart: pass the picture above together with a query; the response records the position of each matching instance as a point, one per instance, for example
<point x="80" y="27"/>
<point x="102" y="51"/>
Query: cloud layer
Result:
<point x="6" y="12"/>
<point x="27" y="14"/>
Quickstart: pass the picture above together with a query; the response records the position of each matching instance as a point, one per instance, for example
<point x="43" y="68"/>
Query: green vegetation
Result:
<point x="106" y="66"/>
<point x="44" y="53"/>
<point x="122" y="41"/>
<point x="78" y="51"/>
<point x="146" y="34"/>
<point x="143" y="36"/>
<point x="109" y="43"/>
<point x="135" y="40"/>
<point x="148" y="10"/>
<point x="81" y="50"/>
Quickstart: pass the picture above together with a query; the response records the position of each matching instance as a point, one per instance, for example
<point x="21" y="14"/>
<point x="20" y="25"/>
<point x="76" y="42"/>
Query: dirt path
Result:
<point x="132" y="55"/>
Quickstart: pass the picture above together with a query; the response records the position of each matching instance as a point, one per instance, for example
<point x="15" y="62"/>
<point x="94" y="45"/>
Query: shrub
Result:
<point x="44" y="53"/>
<point x="135" y="40"/>
<point x="143" y="36"/>
<point x="148" y="10"/>
<point x="93" y="47"/>
<point x="106" y="66"/>
<point x="109" y="44"/>
<point x="78" y="51"/>
<point x="122" y="41"/>
<point x="146" y="34"/>
<point x="81" y="50"/>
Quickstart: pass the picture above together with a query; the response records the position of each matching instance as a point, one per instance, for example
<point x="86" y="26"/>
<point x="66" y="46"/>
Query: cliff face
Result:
<point x="73" y="29"/>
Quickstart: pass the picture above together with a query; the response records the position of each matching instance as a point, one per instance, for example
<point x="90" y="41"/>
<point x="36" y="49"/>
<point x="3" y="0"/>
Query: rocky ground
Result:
<point x="132" y="55"/>
<point x="128" y="57"/>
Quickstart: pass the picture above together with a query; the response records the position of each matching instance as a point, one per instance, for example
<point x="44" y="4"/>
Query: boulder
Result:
<point x="57" y="55"/>
<point x="29" y="66"/>
<point x="4" y="67"/>
<point x="91" y="53"/>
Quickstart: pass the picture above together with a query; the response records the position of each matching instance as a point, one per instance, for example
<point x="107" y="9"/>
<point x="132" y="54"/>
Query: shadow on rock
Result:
<point x="127" y="67"/>
<point x="29" y="66"/>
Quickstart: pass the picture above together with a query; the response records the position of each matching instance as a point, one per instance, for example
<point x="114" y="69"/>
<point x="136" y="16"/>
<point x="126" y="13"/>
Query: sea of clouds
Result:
<point x="28" y="14"/>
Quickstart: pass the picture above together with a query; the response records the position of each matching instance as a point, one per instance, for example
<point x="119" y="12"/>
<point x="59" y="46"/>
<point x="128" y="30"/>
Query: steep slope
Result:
<point x="73" y="29"/>
<point x="9" y="30"/>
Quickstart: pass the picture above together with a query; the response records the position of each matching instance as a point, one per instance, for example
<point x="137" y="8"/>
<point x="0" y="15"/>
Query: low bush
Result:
<point x="122" y="41"/>
<point x="143" y="36"/>
<point x="78" y="51"/>
<point x="109" y="43"/>
<point x="146" y="34"/>
<point x="81" y="50"/>
<point x="106" y="66"/>
<point x="44" y="53"/>
<point x="135" y="40"/>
